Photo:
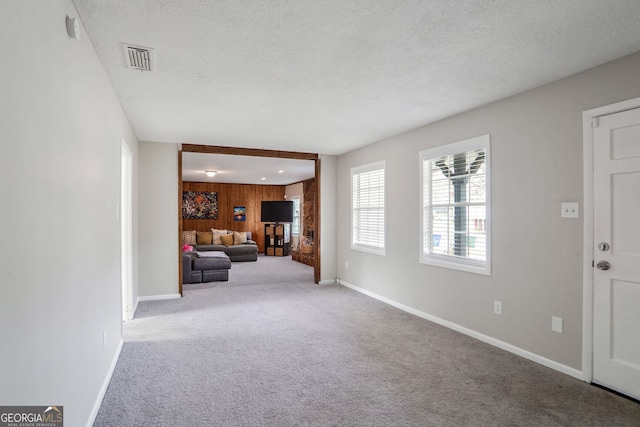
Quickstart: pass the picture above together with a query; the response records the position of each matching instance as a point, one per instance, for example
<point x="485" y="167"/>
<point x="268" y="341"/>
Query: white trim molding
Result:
<point x="135" y="307"/>
<point x="105" y="385"/>
<point x="589" y="121"/>
<point x="426" y="159"/>
<point x="157" y="297"/>
<point x="469" y="332"/>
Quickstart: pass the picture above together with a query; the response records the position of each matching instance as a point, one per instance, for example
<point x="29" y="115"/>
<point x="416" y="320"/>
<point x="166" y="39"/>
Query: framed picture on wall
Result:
<point x="199" y="205"/>
<point x="240" y="213"/>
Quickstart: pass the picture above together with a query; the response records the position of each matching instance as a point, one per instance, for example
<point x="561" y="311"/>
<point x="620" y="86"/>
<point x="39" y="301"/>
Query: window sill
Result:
<point x="370" y="249"/>
<point x="485" y="270"/>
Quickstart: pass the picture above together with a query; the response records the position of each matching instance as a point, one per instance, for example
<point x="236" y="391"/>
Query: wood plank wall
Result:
<point x="308" y="220"/>
<point x="309" y="192"/>
<point x="230" y="196"/>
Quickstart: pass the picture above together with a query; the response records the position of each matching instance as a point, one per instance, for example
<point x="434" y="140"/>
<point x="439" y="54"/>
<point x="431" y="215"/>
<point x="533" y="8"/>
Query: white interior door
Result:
<point x="616" y="293"/>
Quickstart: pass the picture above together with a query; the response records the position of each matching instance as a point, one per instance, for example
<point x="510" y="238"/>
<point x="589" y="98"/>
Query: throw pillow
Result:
<point x="204" y="237"/>
<point x="227" y="239"/>
<point x="189" y="237"/>
<point x="239" y="237"/>
<point x="216" y="235"/>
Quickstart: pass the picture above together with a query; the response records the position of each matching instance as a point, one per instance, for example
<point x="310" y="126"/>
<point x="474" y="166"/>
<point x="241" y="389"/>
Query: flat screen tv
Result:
<point x="276" y="211"/>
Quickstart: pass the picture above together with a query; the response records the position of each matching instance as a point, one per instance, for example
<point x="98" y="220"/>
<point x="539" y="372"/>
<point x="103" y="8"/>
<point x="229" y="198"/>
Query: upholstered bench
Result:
<point x="198" y="267"/>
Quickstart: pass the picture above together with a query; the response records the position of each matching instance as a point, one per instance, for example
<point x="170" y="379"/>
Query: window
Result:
<point x="368" y="208"/>
<point x="295" y="228"/>
<point x="455" y="204"/>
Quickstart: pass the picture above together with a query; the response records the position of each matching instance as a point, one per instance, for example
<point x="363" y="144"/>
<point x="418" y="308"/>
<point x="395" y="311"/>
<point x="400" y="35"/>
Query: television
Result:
<point x="276" y="211"/>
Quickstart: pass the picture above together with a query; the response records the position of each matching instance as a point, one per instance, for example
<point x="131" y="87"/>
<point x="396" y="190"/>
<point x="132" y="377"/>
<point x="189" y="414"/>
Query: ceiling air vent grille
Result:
<point x="139" y="58"/>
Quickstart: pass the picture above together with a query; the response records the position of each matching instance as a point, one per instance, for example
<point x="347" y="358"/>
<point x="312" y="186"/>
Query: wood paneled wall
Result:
<point x="230" y="196"/>
<point x="309" y="220"/>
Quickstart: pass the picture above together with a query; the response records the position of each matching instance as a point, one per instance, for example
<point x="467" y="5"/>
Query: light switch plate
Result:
<point x="570" y="210"/>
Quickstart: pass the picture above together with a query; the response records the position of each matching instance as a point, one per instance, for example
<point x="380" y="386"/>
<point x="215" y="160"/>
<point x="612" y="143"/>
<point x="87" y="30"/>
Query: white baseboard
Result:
<point x="105" y="385"/>
<point x="328" y="282"/>
<point x="135" y="307"/>
<point x="157" y="297"/>
<point x="477" y="335"/>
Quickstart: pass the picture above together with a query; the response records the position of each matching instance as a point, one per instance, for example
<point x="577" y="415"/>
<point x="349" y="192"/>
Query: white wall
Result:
<point x="328" y="218"/>
<point x="536" y="143"/>
<point x="158" y="270"/>
<point x="60" y="132"/>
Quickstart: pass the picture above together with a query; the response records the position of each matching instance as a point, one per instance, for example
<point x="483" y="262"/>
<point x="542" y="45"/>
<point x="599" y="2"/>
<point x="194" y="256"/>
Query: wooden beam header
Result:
<point x="215" y="149"/>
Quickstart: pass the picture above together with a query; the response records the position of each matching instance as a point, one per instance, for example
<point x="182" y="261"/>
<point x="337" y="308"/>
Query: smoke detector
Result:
<point x="139" y="57"/>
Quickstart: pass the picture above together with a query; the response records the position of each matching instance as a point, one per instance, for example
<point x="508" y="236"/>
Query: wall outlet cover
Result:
<point x="497" y="307"/>
<point x="556" y="324"/>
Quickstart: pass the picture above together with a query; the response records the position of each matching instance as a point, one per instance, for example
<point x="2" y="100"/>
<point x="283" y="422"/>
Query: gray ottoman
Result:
<point x="243" y="252"/>
<point x="205" y="267"/>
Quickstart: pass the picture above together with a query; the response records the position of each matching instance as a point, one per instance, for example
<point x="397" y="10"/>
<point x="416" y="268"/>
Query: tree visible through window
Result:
<point x="455" y="205"/>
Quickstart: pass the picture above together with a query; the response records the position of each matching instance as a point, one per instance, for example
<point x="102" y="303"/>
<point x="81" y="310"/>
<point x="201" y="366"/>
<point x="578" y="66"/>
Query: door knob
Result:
<point x="603" y="265"/>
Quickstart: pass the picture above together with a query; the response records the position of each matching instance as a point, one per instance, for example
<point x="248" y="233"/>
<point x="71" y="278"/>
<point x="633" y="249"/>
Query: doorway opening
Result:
<point x="206" y="149"/>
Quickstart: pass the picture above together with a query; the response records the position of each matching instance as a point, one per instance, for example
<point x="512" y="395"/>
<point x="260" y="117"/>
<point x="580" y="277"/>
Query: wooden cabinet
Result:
<point x="277" y="239"/>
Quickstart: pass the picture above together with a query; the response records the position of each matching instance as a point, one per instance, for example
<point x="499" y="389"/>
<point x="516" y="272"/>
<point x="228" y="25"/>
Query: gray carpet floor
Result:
<point x="270" y="348"/>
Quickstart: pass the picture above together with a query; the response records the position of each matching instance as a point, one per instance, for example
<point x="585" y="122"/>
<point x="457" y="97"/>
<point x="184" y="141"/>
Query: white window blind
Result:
<point x="455" y="206"/>
<point x="368" y="208"/>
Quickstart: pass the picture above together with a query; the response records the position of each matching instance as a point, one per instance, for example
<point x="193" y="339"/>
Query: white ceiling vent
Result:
<point x="139" y="58"/>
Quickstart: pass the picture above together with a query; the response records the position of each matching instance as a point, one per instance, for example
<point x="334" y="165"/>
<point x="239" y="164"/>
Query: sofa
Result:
<point x="205" y="267"/>
<point x="237" y="245"/>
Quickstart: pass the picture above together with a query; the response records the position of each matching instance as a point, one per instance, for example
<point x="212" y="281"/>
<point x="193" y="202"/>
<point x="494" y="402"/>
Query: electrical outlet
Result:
<point x="346" y="264"/>
<point x="497" y="307"/>
<point x="556" y="324"/>
<point x="104" y="338"/>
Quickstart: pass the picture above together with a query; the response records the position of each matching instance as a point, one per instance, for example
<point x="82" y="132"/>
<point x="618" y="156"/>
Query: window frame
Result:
<point x="450" y="261"/>
<point x="357" y="170"/>
<point x="295" y="199"/>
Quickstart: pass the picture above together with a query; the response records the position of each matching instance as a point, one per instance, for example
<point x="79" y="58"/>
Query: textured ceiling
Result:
<point x="331" y="76"/>
<point x="245" y="169"/>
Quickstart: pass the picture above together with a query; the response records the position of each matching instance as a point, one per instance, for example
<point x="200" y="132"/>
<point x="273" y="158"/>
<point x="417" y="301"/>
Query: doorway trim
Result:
<point x="126" y="231"/>
<point x="589" y="121"/>
<point x="215" y="149"/>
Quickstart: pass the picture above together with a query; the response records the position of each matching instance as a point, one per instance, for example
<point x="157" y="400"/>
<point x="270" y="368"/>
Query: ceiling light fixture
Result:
<point x="263" y="178"/>
<point x="280" y="171"/>
<point x="211" y="173"/>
